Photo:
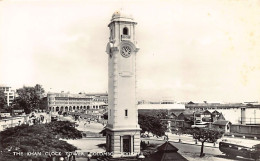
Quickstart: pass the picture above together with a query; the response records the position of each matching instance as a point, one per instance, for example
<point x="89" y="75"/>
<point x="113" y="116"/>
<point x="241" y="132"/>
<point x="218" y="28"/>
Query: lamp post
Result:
<point x="73" y="158"/>
<point x="194" y="119"/>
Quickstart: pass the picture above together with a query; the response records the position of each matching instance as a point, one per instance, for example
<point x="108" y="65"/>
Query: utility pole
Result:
<point x="255" y="116"/>
<point x="194" y="120"/>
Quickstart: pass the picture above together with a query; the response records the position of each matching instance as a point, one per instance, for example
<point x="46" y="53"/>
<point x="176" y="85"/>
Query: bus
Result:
<point x="234" y="150"/>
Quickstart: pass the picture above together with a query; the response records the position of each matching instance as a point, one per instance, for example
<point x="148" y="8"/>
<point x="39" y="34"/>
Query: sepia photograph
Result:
<point x="129" y="80"/>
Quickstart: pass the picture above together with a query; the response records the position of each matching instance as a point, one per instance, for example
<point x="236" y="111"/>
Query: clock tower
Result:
<point x="123" y="130"/>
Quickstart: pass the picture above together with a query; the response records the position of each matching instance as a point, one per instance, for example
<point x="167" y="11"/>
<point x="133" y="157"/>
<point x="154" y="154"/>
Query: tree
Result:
<point x="151" y="124"/>
<point x="203" y="135"/>
<point x="29" y="98"/>
<point x="37" y="138"/>
<point x="152" y="118"/>
<point x="64" y="129"/>
<point x="3" y="101"/>
<point x="39" y="89"/>
<point x="43" y="103"/>
<point x="162" y="115"/>
<point x="208" y="135"/>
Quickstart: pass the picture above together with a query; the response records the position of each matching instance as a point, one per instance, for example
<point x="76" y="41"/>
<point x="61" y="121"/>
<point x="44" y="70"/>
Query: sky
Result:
<point x="190" y="50"/>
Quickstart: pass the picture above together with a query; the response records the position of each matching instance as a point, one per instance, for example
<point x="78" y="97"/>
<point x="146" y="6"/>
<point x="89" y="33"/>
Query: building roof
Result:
<point x="177" y="113"/>
<point x="167" y="147"/>
<point x="173" y="115"/>
<point x="166" y="152"/>
<point x="161" y="106"/>
<point x="215" y="112"/>
<point x="221" y="122"/>
<point x="215" y="105"/>
<point x="187" y="113"/>
<point x="206" y="112"/>
<point x="122" y="15"/>
<point x="221" y="117"/>
<point x="96" y="94"/>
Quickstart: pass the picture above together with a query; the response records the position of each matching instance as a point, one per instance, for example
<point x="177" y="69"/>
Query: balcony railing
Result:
<point x="125" y="37"/>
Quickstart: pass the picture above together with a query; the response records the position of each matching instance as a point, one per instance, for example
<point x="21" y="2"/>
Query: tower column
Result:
<point x="123" y="130"/>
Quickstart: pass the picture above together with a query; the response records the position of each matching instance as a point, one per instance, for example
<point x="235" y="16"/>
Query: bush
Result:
<point x="37" y="138"/>
<point x="143" y="145"/>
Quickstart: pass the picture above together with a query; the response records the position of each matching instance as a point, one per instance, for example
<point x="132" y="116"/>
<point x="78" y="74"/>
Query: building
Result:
<point x="213" y="106"/>
<point x="75" y="102"/>
<point x="5" y="114"/>
<point x="123" y="130"/>
<point x="204" y="116"/>
<point x="215" y="115"/>
<point x="12" y="121"/>
<point x="222" y="125"/>
<point x="242" y="113"/>
<point x="98" y="97"/>
<point x="184" y="119"/>
<point x="9" y="93"/>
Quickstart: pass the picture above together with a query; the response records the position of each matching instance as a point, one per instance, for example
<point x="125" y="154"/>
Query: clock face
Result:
<point x="126" y="51"/>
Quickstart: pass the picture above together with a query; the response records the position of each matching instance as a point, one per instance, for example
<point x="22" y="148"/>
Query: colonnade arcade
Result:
<point x="73" y="108"/>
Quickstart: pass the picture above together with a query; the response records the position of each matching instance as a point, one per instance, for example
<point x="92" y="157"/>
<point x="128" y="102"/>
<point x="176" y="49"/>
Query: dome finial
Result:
<point x="122" y="14"/>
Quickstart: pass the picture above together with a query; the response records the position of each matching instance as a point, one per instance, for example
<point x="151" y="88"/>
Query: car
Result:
<point x="144" y="135"/>
<point x="65" y="114"/>
<point x="54" y="118"/>
<point x="233" y="150"/>
<point x="200" y="124"/>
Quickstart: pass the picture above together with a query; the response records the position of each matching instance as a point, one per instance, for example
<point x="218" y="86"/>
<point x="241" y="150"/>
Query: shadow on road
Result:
<point x="236" y="158"/>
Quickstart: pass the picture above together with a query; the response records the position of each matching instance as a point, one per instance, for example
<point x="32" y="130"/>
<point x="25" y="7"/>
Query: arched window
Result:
<point x="125" y="31"/>
<point x="111" y="33"/>
<point x="126" y="113"/>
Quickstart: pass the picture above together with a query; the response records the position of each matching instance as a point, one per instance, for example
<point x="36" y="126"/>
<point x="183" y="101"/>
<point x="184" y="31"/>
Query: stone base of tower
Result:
<point x="123" y="142"/>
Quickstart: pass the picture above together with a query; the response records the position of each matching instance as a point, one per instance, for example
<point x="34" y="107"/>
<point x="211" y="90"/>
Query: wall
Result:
<point x="5" y="115"/>
<point x="246" y="129"/>
<point x="12" y="122"/>
<point x="234" y="118"/>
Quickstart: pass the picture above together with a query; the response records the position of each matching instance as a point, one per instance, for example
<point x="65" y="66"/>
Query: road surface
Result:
<point x="187" y="147"/>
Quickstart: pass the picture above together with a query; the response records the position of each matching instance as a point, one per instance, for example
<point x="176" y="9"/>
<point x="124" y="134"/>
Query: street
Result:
<point x="192" y="151"/>
<point x="187" y="147"/>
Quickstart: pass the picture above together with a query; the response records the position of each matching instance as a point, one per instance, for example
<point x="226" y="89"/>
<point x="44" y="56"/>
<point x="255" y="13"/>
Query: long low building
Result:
<point x="236" y="113"/>
<point x="72" y="102"/>
<point x="13" y="121"/>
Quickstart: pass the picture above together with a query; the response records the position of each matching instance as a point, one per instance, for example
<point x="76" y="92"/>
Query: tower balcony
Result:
<point x="125" y="37"/>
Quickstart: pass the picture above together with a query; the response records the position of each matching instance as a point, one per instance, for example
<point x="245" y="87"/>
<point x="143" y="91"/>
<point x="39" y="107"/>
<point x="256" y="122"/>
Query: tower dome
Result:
<point x="122" y="15"/>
